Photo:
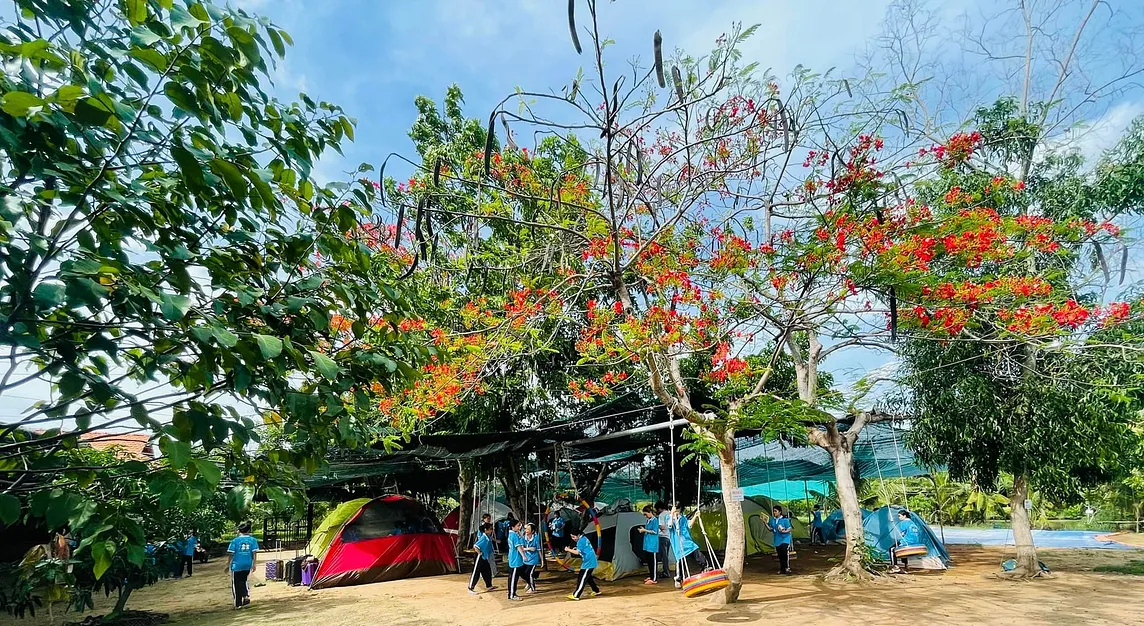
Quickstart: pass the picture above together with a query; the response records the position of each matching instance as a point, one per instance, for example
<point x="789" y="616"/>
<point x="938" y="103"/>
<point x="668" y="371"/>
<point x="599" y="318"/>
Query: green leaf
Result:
<point x="18" y="103"/>
<point x="208" y="470"/>
<point x="238" y="501"/>
<point x="142" y="36"/>
<point x="279" y="497"/>
<point x="326" y="365"/>
<point x="71" y="384"/>
<point x="102" y="552"/>
<point x="67" y="97"/>
<point x="231" y="175"/>
<point x="175" y="306"/>
<point x="189" y="167"/>
<point x="9" y="509"/>
<point x="151" y="57"/>
<point x="181" y="97"/>
<point x="49" y="294"/>
<point x="179" y="452"/>
<point x="180" y="18"/>
<point x="95" y="110"/>
<point x="276" y="41"/>
<point x="270" y="346"/>
<point x="224" y="337"/>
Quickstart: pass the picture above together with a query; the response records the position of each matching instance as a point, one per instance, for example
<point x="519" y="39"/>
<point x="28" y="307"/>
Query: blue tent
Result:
<point x="834" y="528"/>
<point x="881" y="529"/>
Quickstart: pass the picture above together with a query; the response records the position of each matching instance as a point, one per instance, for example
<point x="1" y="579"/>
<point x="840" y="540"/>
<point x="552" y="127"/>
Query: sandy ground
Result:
<point x="967" y="593"/>
<point x="1132" y="539"/>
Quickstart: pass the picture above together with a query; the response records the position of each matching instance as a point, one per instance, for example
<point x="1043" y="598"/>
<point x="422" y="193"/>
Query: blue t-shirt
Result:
<point x="557" y="526"/>
<point x="781" y="528"/>
<point x="484" y="545"/>
<point x="189" y="545"/>
<point x="681" y="542"/>
<point x="514" y="543"/>
<point x="909" y="530"/>
<point x="243" y="548"/>
<point x="651" y="537"/>
<point x="817" y="521"/>
<point x="587" y="553"/>
<point x="531" y="557"/>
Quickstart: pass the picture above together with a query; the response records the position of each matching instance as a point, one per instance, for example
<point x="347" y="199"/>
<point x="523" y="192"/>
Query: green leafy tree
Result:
<point x="164" y="250"/>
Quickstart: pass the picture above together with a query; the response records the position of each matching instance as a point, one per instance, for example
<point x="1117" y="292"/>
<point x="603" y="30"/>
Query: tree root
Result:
<point x="1022" y="573"/>
<point x="845" y="574"/>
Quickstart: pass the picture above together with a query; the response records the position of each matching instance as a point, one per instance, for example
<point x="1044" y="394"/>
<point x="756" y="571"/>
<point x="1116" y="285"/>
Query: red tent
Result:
<point x="389" y="538"/>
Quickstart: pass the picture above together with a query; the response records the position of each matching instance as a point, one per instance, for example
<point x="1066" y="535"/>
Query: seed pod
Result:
<point x="489" y="143"/>
<point x="381" y="180"/>
<point x="418" y="235"/>
<point x="846" y="84"/>
<point x="893" y="315"/>
<point x="575" y="91"/>
<point x="1123" y="264"/>
<point x="903" y="119"/>
<point x="508" y="142"/>
<point x="677" y="78"/>
<point x="786" y="127"/>
<point x="658" y="44"/>
<point x="400" y="219"/>
<point x="437" y="173"/>
<point x="572" y="25"/>
<point x="1103" y="263"/>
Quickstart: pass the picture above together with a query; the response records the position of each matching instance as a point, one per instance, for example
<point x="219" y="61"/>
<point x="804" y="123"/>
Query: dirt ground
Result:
<point x="967" y="593"/>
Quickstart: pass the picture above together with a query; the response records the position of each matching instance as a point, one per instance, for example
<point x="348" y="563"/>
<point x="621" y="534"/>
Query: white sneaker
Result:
<point x="678" y="585"/>
<point x="473" y="592"/>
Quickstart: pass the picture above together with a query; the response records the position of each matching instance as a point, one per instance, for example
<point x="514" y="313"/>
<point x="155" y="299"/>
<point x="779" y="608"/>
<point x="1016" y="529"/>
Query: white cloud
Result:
<point x="1093" y="139"/>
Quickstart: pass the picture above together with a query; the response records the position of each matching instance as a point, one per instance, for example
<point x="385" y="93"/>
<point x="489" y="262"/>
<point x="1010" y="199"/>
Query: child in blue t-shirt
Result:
<point x="780" y="526"/>
<point x="651" y="544"/>
<point x="530" y="542"/>
<point x="242" y="550"/>
<point x="187" y="553"/>
<point x="515" y="558"/>
<point x="481" y="566"/>
<point x="910" y="536"/>
<point x="588" y="563"/>
<point x="816" y="526"/>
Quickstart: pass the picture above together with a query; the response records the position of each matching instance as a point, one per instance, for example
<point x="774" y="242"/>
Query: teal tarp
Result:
<point x="787" y="490"/>
<point x="878" y="453"/>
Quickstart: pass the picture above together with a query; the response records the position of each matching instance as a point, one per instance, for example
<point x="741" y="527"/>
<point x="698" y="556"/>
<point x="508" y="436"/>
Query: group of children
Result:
<point x="661" y="530"/>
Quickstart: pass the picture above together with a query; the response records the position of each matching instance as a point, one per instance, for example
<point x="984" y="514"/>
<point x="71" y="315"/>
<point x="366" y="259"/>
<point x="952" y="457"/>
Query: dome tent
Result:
<point x="387" y="538"/>
<point x="333" y="523"/>
<point x="881" y="528"/>
<point x="756" y="513"/>
<point x="619" y="544"/>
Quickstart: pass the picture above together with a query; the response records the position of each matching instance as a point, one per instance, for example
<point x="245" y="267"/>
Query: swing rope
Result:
<point x="699" y="515"/>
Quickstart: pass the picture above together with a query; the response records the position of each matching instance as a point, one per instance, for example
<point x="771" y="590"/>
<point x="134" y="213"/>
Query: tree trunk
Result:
<point x="465" y="507"/>
<point x="736" y="531"/>
<point x="1027" y="565"/>
<point x="851" y="565"/>
<point x="510" y="479"/>
<point x="121" y="602"/>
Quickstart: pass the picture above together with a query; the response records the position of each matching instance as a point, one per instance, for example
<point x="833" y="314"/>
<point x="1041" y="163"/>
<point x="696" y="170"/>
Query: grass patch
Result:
<point x="1135" y="567"/>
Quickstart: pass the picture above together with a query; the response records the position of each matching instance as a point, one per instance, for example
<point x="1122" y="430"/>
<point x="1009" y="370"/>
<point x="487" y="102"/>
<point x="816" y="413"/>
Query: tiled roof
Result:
<point x="134" y="446"/>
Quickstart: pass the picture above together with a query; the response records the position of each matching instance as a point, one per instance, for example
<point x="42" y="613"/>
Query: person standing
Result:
<point x="583" y="548"/>
<point x="780" y="526"/>
<point x="663" y="515"/>
<point x="515" y="558"/>
<point x="651" y="544"/>
<point x="683" y="546"/>
<point x="531" y="545"/>
<point x="243" y="551"/>
<point x="481" y="564"/>
<point x="187" y="553"/>
<point x="816" y="526"/>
